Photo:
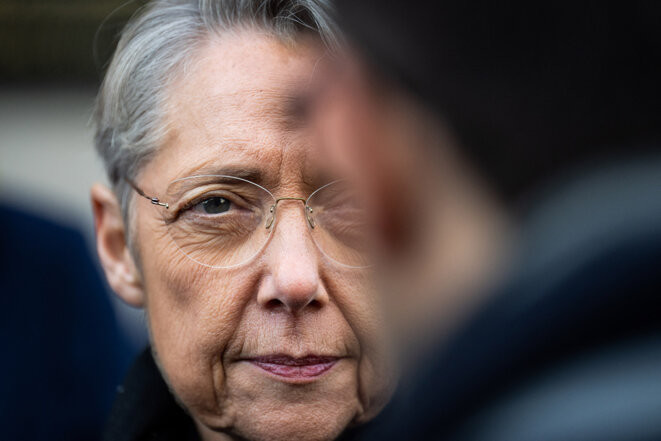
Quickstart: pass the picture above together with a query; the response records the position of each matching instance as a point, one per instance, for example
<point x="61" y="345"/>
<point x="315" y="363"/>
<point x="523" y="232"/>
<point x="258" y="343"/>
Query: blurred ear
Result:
<point x="114" y="253"/>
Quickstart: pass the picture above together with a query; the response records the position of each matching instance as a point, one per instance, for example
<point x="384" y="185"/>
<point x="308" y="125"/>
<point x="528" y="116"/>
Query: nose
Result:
<point x="293" y="282"/>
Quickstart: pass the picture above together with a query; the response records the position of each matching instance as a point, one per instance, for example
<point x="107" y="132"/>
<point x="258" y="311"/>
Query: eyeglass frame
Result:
<point x="269" y="223"/>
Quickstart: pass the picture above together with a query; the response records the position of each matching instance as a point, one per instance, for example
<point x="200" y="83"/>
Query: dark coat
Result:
<point x="145" y="409"/>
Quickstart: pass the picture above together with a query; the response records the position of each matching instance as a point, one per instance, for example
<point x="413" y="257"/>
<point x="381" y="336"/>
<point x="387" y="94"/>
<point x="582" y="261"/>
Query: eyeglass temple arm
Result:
<point x="153" y="200"/>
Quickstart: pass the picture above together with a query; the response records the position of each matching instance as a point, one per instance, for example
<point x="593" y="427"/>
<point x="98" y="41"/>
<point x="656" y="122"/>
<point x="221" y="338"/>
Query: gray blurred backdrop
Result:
<point x="52" y="57"/>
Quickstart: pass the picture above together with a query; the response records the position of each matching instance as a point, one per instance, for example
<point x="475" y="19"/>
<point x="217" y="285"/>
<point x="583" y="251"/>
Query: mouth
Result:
<point x="293" y="368"/>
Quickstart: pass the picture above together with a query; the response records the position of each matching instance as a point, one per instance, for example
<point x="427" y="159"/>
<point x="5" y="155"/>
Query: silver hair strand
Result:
<point x="156" y="43"/>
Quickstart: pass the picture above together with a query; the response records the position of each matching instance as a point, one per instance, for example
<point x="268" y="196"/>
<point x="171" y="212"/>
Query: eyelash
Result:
<point x="199" y="200"/>
<point x="234" y="199"/>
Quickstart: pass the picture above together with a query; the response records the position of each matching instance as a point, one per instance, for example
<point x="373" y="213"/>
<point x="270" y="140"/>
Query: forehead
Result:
<point x="235" y="105"/>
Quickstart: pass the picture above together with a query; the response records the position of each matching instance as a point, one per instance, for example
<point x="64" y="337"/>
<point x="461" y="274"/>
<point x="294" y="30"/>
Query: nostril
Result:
<point x="314" y="304"/>
<point x="292" y="305"/>
<point x="274" y="304"/>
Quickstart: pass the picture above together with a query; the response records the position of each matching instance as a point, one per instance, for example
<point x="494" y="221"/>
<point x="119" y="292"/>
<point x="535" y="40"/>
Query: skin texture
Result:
<point x="233" y="106"/>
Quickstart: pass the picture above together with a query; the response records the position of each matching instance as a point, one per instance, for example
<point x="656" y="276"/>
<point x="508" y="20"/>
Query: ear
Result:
<point x="114" y="253"/>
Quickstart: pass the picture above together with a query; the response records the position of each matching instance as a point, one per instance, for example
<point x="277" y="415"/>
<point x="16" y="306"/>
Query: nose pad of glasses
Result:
<point x="309" y="217"/>
<point x="271" y="217"/>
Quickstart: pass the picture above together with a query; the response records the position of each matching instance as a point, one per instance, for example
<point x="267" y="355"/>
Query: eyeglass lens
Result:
<point x="223" y="221"/>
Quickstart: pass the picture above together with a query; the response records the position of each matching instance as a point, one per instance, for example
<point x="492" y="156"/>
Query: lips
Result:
<point x="290" y="367"/>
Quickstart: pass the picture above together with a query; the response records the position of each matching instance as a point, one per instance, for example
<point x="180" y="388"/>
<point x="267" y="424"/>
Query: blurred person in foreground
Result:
<point x="511" y="157"/>
<point x="234" y="235"/>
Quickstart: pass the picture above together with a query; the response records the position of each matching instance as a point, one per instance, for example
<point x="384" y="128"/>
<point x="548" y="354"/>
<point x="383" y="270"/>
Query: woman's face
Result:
<point x="225" y="339"/>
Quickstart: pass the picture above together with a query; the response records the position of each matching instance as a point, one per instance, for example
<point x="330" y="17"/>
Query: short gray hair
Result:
<point x="155" y="43"/>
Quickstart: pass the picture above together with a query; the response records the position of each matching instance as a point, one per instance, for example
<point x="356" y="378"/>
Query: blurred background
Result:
<point x="67" y="340"/>
<point x="52" y="57"/>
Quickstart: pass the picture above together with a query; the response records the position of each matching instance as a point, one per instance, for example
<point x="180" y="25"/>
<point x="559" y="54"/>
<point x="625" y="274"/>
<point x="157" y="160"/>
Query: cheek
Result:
<point x="363" y="309"/>
<point x="193" y="312"/>
<point x="355" y="295"/>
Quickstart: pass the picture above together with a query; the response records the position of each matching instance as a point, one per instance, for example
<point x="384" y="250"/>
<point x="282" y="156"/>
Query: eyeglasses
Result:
<point x="223" y="221"/>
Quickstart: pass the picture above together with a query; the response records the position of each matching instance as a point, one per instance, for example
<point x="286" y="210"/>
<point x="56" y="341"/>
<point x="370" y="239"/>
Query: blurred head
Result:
<point x="442" y="231"/>
<point x="528" y="89"/>
<point x="455" y="114"/>
<point x="262" y="319"/>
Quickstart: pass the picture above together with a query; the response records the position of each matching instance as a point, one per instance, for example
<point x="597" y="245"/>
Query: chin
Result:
<point x="267" y="407"/>
<point x="323" y="420"/>
<point x="287" y="426"/>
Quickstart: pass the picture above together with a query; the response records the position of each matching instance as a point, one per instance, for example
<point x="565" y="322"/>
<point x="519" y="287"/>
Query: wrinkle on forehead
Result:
<point x="259" y="72"/>
<point x="244" y="112"/>
<point x="236" y="106"/>
<point x="242" y="160"/>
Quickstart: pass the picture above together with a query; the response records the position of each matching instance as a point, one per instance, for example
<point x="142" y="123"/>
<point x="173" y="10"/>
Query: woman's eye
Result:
<point x="214" y="205"/>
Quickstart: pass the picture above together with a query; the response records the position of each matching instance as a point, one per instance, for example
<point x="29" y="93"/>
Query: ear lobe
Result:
<point x="114" y="253"/>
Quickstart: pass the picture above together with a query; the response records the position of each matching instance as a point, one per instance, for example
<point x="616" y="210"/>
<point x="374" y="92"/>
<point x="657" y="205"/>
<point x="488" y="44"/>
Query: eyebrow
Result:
<point x="249" y="174"/>
<point x="211" y="175"/>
